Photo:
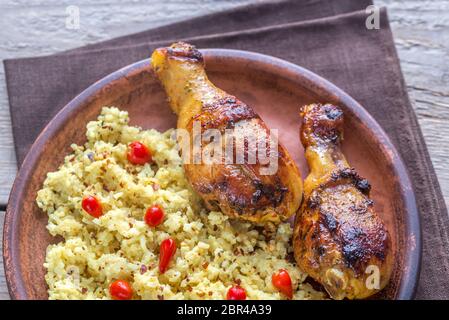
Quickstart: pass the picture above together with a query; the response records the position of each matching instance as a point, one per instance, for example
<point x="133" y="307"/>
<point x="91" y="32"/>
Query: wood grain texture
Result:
<point x="421" y="30"/>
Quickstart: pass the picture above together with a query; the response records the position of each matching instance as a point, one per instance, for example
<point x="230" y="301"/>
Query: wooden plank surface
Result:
<point x="421" y="30"/>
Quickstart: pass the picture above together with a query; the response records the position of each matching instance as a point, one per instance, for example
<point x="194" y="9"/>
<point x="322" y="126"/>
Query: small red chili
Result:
<point x="154" y="216"/>
<point x="92" y="206"/>
<point x="120" y="290"/>
<point x="282" y="281"/>
<point x="166" y="253"/>
<point x="236" y="293"/>
<point x="138" y="153"/>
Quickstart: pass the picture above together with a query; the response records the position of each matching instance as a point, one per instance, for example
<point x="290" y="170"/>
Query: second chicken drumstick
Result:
<point x="339" y="240"/>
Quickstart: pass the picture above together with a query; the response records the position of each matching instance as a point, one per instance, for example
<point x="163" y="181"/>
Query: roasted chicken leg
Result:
<point x="339" y="240"/>
<point x="240" y="189"/>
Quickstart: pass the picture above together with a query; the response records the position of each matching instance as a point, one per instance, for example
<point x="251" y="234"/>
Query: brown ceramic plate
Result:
<point x="276" y="89"/>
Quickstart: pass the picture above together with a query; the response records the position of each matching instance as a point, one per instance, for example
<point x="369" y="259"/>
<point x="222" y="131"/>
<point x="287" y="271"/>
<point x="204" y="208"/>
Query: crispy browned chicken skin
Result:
<point x="239" y="190"/>
<point x="337" y="234"/>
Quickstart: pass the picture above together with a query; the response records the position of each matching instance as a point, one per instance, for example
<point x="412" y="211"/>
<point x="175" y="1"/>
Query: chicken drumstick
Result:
<point x="240" y="190"/>
<point x="338" y="239"/>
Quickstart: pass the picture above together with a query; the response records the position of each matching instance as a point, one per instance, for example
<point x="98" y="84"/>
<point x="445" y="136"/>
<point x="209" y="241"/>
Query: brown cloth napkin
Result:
<point x="328" y="37"/>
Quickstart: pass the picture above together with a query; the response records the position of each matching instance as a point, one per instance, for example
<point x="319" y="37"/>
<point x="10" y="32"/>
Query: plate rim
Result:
<point x="413" y="252"/>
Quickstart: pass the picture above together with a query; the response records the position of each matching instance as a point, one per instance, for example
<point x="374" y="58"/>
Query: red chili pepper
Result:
<point x="138" y="153"/>
<point x="120" y="290"/>
<point x="166" y="253"/>
<point x="282" y="281"/>
<point x="236" y="293"/>
<point x="154" y="216"/>
<point x="92" y="206"/>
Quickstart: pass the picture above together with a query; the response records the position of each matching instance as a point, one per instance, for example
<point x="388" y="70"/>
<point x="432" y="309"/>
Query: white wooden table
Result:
<point x="37" y="27"/>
